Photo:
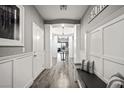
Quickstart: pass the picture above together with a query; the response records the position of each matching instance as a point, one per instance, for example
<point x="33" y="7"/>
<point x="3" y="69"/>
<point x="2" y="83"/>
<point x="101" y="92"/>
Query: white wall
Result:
<point x="16" y="66"/>
<point x="107" y="48"/>
<point x="16" y="71"/>
<point x="77" y="43"/>
<point x="30" y="15"/>
<point x="48" y="57"/>
<point x="54" y="46"/>
<point x="6" y="74"/>
<point x="71" y="46"/>
<point x="22" y="72"/>
<point x="111" y="12"/>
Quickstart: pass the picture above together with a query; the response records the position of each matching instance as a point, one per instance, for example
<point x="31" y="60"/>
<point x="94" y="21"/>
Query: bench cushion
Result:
<point x="91" y="80"/>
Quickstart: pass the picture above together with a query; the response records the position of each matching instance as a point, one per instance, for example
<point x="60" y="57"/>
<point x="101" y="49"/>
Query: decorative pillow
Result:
<point x="85" y="65"/>
<point x="91" y="67"/>
<point x="116" y="81"/>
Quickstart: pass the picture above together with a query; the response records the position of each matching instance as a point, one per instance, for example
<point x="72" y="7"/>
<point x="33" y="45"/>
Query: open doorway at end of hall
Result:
<point x="63" y="42"/>
<point x="62" y="49"/>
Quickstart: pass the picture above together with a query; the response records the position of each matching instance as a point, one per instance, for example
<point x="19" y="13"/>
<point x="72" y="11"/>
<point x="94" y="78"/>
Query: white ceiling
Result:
<point x="52" y="12"/>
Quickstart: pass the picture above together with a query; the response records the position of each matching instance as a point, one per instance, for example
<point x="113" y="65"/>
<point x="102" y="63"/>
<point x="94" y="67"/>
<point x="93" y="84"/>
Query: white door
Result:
<point x="38" y="50"/>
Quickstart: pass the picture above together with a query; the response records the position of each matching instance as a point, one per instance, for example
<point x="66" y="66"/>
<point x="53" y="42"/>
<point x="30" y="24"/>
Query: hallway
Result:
<point x="43" y="46"/>
<point x="59" y="76"/>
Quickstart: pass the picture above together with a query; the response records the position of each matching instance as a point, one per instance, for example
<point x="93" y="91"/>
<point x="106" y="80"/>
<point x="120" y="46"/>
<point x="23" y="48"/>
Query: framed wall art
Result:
<point x="96" y="10"/>
<point x="11" y="25"/>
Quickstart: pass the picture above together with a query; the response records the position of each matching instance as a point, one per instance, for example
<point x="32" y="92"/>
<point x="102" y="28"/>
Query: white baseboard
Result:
<point x="79" y="84"/>
<point x="101" y="77"/>
<point x="42" y="69"/>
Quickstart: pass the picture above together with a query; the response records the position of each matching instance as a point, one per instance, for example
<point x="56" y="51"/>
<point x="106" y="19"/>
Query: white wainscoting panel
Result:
<point x="111" y="68"/>
<point x="6" y="74"/>
<point x="96" y="43"/>
<point x="38" y="65"/>
<point x="107" y="48"/>
<point x="96" y="51"/>
<point x="113" y="40"/>
<point x="22" y="71"/>
<point x="17" y="70"/>
<point x="98" y="65"/>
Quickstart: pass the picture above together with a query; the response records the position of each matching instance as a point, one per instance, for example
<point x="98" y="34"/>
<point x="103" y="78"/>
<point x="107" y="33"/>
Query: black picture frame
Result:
<point x="9" y="22"/>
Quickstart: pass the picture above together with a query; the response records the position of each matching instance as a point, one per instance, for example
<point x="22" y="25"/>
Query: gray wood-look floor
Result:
<point x="59" y="76"/>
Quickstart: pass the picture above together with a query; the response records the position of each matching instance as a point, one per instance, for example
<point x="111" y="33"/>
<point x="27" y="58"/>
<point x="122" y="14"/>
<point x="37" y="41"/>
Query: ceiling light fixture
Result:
<point x="63" y="7"/>
<point x="62" y="25"/>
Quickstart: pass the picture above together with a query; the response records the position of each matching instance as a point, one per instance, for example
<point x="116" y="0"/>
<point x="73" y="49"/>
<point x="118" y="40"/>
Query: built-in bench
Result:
<point x="90" y="80"/>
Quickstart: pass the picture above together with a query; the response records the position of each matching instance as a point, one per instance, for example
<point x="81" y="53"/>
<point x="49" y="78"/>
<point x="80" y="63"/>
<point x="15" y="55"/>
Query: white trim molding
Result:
<point x="14" y="57"/>
<point x="107" y="53"/>
<point x="17" y="68"/>
<point x="101" y="77"/>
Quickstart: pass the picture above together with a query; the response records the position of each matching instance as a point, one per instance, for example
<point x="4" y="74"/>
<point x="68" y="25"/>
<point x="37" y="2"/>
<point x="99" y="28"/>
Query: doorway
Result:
<point x="38" y="50"/>
<point x="62" y="49"/>
<point x="63" y="43"/>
